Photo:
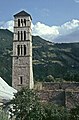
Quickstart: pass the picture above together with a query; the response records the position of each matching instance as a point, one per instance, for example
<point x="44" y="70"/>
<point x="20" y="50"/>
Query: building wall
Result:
<point x="60" y="85"/>
<point x="66" y="94"/>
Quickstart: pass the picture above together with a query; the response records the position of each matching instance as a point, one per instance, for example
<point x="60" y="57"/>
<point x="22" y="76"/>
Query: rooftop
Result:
<point x="22" y="14"/>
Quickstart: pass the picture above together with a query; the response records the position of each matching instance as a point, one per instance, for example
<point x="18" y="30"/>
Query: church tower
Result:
<point x="22" y="74"/>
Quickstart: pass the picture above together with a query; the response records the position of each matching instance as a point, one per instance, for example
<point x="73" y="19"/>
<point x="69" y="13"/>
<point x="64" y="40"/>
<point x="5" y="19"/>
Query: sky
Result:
<point x="50" y="18"/>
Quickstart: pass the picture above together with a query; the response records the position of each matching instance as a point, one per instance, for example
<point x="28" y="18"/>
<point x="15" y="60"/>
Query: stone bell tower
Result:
<point x="22" y="74"/>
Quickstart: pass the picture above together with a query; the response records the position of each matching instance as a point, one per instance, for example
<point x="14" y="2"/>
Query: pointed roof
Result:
<point x="22" y="14"/>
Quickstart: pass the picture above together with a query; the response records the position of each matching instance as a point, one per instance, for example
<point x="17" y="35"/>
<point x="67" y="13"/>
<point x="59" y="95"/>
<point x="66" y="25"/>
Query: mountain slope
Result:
<point x="58" y="60"/>
<point x="5" y="54"/>
<point x="74" y="36"/>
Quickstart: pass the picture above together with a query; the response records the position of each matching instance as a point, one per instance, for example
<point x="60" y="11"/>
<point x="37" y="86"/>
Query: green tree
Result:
<point x="26" y="106"/>
<point x="74" y="113"/>
<point x="54" y="112"/>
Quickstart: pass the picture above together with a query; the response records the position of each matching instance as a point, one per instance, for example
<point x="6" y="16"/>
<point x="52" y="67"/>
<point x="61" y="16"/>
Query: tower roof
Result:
<point x="22" y="14"/>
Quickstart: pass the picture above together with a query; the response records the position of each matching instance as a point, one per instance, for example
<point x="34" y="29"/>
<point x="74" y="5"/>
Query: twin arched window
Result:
<point x="21" y="35"/>
<point x="21" y="50"/>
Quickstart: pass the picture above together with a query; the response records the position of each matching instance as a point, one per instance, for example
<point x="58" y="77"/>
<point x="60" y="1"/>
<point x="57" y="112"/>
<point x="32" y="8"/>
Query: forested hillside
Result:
<point x="57" y="60"/>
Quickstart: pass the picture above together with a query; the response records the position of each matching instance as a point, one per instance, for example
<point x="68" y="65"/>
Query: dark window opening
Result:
<point x="21" y="80"/>
<point x="22" y="22"/>
<point x="24" y="35"/>
<point x="18" y="22"/>
<point x="21" y="36"/>
<point x="18" y="36"/>
<point x="24" y="49"/>
<point x="21" y="49"/>
<point x="25" y="22"/>
<point x="18" y="50"/>
<point x="60" y="86"/>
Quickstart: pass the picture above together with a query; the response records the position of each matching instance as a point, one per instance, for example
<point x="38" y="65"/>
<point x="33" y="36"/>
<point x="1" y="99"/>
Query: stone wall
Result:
<point x="60" y="85"/>
<point x="56" y="97"/>
<point x="66" y="94"/>
<point x="71" y="98"/>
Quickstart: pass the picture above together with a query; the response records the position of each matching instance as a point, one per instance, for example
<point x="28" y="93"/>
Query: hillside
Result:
<point x="5" y="54"/>
<point x="71" y="37"/>
<point x="58" y="60"/>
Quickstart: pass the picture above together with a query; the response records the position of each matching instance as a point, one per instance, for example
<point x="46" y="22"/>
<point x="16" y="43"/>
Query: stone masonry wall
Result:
<point x="66" y="94"/>
<point x="56" y="97"/>
<point x="60" y="85"/>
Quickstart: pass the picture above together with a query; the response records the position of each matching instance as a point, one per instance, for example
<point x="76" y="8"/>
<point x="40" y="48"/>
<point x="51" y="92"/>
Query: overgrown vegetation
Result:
<point x="57" y="60"/>
<point x="27" y="106"/>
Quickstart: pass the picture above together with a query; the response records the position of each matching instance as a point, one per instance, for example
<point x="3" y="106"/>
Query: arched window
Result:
<point x="18" y="50"/>
<point x="24" y="35"/>
<point x="18" y="22"/>
<point x="24" y="49"/>
<point x="21" y="49"/>
<point x="21" y="36"/>
<point x="25" y="22"/>
<point x="18" y="36"/>
<point x="21" y="22"/>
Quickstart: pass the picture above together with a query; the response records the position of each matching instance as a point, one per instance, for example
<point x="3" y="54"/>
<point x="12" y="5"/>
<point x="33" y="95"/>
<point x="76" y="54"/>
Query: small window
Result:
<point x="18" y="22"/>
<point x="21" y="80"/>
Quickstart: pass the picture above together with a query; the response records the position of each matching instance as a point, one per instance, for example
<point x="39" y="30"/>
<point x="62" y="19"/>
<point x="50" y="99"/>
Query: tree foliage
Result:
<point x="74" y="113"/>
<point x="54" y="112"/>
<point x="26" y="106"/>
